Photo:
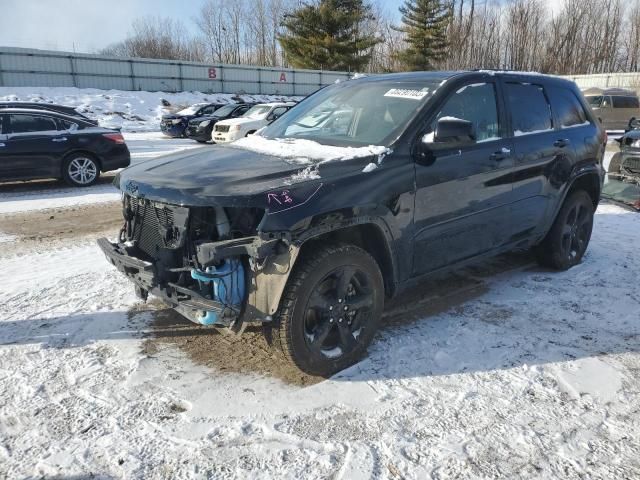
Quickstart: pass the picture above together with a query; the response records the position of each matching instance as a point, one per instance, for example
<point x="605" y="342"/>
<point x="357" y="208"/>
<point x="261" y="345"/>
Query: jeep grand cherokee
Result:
<point x="357" y="192"/>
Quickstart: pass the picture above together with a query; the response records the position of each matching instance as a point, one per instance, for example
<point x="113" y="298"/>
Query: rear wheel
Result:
<point x="80" y="170"/>
<point x="567" y="241"/>
<point x="330" y="310"/>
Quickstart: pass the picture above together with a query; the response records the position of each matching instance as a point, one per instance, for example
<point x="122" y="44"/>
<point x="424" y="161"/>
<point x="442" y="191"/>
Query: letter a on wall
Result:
<point x="283" y="77"/>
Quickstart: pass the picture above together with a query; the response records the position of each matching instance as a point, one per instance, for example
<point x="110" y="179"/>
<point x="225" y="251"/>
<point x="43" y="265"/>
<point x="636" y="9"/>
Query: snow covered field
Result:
<point x="500" y="370"/>
<point x="137" y="111"/>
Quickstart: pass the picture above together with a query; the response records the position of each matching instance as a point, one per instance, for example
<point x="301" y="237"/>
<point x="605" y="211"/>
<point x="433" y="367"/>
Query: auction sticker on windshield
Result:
<point x="407" y="93"/>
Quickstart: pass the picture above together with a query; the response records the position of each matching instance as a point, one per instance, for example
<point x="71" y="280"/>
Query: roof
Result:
<point x="609" y="91"/>
<point x="37" y="111"/>
<point x="446" y="75"/>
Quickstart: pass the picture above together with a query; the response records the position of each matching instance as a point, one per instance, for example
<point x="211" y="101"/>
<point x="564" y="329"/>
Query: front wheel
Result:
<point x="330" y="310"/>
<point x="567" y="241"/>
<point x="80" y="170"/>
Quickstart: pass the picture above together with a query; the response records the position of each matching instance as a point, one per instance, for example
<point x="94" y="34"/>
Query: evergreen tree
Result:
<point x="329" y="35"/>
<point x="425" y="24"/>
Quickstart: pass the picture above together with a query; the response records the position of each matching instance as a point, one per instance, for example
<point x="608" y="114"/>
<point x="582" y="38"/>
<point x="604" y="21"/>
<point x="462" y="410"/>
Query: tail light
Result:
<point x="114" y="137"/>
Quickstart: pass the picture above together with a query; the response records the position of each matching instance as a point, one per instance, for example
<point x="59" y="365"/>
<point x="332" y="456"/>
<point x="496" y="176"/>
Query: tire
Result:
<point x="308" y="329"/>
<point x="250" y="133"/>
<point x="201" y="141"/>
<point x="567" y="241"/>
<point x="80" y="170"/>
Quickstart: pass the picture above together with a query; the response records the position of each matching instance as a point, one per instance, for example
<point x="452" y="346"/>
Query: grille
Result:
<point x="631" y="165"/>
<point x="222" y="128"/>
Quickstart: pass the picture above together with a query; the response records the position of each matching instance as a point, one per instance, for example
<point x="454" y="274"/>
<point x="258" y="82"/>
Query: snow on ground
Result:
<point x="143" y="146"/>
<point x="535" y="374"/>
<point x="129" y="110"/>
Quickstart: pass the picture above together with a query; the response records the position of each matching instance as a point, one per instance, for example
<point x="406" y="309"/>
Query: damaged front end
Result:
<point x="211" y="264"/>
<point x="622" y="184"/>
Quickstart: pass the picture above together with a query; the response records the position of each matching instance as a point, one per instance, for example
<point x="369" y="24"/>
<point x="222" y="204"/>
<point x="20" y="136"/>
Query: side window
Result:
<point x="475" y="103"/>
<point x="208" y="110"/>
<point x="625" y="102"/>
<point x="67" y="125"/>
<point x="530" y="109"/>
<point x="2" y="130"/>
<point x="568" y="108"/>
<point x="241" y="110"/>
<point x="31" y="123"/>
<point x="277" y="112"/>
<point x="606" y="102"/>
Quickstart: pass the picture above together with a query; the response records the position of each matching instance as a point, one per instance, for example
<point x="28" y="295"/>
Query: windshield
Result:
<point x="595" y="101"/>
<point x="191" y="110"/>
<point x="355" y="113"/>
<point x="258" y="111"/>
<point x="224" y="111"/>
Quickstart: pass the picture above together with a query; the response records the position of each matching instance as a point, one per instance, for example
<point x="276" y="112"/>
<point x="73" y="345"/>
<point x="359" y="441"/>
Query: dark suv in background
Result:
<point x="43" y="143"/>
<point x="355" y="194"/>
<point x="200" y="128"/>
<point x="175" y="124"/>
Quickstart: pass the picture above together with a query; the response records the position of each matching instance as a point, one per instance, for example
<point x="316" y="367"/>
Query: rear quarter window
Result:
<point x="625" y="102"/>
<point x="529" y="107"/>
<point x="568" y="108"/>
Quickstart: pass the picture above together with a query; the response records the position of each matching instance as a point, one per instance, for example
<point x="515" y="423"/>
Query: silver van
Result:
<point x="614" y="107"/>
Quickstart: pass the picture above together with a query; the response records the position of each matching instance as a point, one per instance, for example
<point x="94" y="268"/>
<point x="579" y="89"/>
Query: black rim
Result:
<point x="575" y="233"/>
<point x="337" y="312"/>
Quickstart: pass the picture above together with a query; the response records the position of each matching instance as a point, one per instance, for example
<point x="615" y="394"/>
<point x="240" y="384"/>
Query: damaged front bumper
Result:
<point x="266" y="265"/>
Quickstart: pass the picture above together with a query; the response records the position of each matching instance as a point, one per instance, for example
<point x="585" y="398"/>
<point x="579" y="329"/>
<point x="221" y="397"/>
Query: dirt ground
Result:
<point x="216" y="348"/>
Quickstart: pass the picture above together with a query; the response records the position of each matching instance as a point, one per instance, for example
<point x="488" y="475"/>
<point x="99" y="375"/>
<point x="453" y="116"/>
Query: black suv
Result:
<point x="175" y="124"/>
<point x="200" y="128"/>
<point x="42" y="143"/>
<point x="357" y="192"/>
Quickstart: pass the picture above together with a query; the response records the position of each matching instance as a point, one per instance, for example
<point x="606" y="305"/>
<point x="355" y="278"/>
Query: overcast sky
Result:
<point x="88" y="25"/>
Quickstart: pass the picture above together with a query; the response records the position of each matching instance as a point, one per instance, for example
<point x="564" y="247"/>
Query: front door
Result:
<point x="463" y="194"/>
<point x="33" y="147"/>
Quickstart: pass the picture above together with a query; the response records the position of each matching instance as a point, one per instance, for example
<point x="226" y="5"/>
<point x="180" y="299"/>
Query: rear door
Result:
<point x="543" y="156"/>
<point x="4" y="164"/>
<point x="463" y="194"/>
<point x="34" y="146"/>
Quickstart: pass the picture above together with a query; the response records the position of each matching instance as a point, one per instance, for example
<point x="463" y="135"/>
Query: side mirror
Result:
<point x="451" y="130"/>
<point x="271" y="117"/>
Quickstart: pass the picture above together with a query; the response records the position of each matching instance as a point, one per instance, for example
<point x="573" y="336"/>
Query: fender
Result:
<point x="578" y="174"/>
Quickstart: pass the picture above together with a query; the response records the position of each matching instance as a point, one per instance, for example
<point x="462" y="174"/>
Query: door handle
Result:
<point x="561" y="143"/>
<point x="501" y="154"/>
<point x="59" y="139"/>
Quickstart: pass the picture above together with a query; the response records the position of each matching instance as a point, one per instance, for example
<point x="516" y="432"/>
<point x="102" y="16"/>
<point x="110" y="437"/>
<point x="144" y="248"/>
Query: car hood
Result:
<point x="173" y="116"/>
<point x="243" y="121"/>
<point x="223" y="175"/>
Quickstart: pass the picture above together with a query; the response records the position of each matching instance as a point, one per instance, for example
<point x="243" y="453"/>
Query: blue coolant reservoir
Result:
<point x="226" y="285"/>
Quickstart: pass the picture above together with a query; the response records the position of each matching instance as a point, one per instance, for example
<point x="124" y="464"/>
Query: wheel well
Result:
<point x="370" y="238"/>
<point x="590" y="183"/>
<point x="250" y="132"/>
<point x="83" y="152"/>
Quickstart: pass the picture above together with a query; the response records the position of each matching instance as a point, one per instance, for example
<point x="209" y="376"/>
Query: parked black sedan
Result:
<point x="200" y="128"/>
<point x="46" y="144"/>
<point x="175" y="124"/>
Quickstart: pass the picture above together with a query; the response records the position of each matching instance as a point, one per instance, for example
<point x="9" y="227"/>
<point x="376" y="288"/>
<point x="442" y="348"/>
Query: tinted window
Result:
<point x="1" y="120"/>
<point x="241" y="110"/>
<point x="279" y="111"/>
<point x="625" y="102"/>
<point x="595" y="101"/>
<point x="530" y="109"/>
<point x="475" y="103"/>
<point x="568" y="108"/>
<point x="31" y="123"/>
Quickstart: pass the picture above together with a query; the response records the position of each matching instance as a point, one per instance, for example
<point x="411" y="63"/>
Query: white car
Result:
<point x="257" y="117"/>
